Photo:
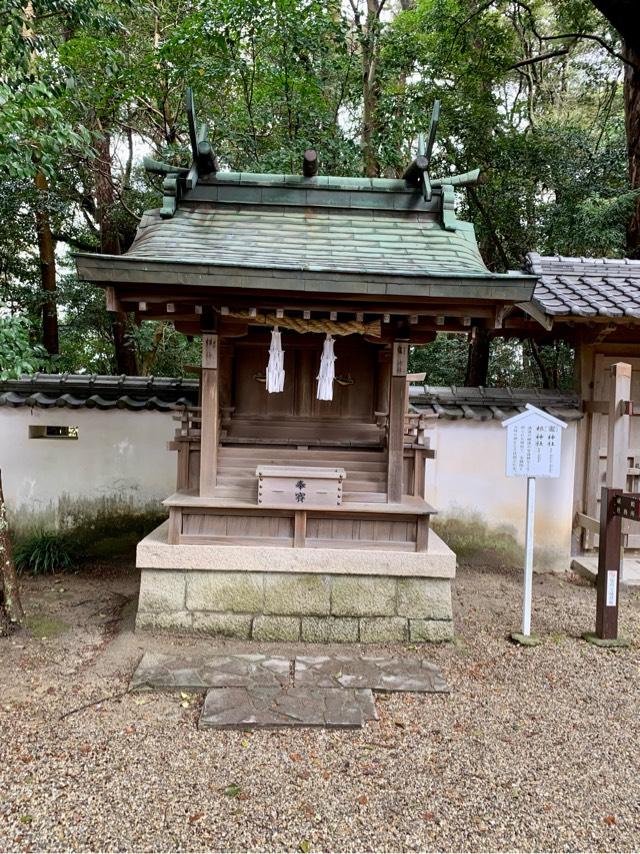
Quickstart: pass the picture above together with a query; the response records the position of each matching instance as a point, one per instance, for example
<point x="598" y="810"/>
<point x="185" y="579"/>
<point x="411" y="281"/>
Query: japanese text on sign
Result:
<point x="533" y="449"/>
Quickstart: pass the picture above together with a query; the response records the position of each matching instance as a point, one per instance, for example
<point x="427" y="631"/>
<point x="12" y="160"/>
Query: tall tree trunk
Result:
<point x="110" y="245"/>
<point x="10" y="605"/>
<point x="47" y="257"/>
<point x="370" y="88"/>
<point x="632" y="124"/>
<point x="478" y="358"/>
<point x="537" y="358"/>
<point x="623" y="17"/>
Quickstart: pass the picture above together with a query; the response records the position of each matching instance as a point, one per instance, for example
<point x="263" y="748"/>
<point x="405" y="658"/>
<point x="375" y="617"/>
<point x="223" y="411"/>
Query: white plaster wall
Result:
<point x="467" y="478"/>
<point x="119" y="455"/>
<point x="122" y="455"/>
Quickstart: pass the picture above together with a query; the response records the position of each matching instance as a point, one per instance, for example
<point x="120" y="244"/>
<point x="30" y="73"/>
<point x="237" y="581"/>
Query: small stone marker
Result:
<point x="534" y="442"/>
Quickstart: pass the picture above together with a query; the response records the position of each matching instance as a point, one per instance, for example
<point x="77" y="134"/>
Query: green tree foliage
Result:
<point x="521" y="364"/>
<point x="532" y="93"/>
<point x="18" y="354"/>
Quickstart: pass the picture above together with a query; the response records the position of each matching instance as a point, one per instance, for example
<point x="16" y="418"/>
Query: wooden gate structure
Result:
<point x="593" y="304"/>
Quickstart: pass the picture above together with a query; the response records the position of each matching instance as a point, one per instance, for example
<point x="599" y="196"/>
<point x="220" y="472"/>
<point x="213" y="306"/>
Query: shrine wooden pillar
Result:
<point x="209" y="424"/>
<point x="395" y="440"/>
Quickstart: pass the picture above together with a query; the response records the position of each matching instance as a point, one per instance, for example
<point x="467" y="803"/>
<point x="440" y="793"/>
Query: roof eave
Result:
<point x="117" y="270"/>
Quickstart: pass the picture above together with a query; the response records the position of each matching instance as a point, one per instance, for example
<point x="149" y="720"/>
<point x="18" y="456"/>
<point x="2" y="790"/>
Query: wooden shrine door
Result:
<point x="597" y="445"/>
<point x="295" y="415"/>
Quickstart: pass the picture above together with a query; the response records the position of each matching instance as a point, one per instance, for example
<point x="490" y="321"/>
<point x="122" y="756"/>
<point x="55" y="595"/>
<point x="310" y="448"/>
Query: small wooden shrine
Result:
<point x="299" y="508"/>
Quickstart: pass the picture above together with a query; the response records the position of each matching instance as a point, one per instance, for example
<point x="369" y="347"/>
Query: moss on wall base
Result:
<point x="99" y="528"/>
<point x="474" y="540"/>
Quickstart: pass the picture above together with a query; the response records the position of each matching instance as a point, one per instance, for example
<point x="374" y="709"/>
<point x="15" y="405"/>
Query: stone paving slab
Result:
<point x="268" y="707"/>
<point x="375" y="672"/>
<point x="259" y="690"/>
<point x="197" y="673"/>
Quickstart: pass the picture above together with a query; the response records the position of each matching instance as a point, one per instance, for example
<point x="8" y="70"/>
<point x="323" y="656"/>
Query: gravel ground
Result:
<point x="534" y="749"/>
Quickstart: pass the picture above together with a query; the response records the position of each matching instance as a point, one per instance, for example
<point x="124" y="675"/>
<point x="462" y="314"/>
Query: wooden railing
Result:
<point x="415" y="426"/>
<point x="189" y="420"/>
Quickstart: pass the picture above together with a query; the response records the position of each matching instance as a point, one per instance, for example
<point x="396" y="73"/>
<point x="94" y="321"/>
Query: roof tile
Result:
<point x="586" y="287"/>
<point x="481" y="404"/>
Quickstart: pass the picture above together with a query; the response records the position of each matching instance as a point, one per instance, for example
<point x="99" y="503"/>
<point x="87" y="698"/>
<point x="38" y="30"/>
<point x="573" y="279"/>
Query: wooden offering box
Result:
<point x="289" y="486"/>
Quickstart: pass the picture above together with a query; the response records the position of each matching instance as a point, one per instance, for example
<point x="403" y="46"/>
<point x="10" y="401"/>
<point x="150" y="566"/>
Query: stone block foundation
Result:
<point x="267" y="600"/>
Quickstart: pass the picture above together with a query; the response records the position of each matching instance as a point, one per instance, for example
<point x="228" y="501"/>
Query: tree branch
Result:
<point x="602" y="42"/>
<point x="75" y="242"/>
<point x="540" y="58"/>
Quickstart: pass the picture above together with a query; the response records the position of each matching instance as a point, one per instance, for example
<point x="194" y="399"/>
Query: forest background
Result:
<point x="544" y="97"/>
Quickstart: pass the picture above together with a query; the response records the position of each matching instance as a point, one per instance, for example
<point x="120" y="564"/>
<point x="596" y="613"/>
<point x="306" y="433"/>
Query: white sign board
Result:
<point x="534" y="441"/>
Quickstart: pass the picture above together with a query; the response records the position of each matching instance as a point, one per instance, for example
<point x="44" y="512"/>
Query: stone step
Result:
<point x="587" y="567"/>
<point x="267" y="707"/>
<point x="241" y="670"/>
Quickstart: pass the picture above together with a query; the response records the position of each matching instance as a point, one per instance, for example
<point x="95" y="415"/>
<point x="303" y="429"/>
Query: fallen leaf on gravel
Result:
<point x="305" y="846"/>
<point x="26" y="757"/>
<point x="185" y="704"/>
<point x="325" y="775"/>
<point x="195" y="817"/>
<point x="428" y="815"/>
<point x="184" y="695"/>
<point x="26" y="819"/>
<point x="140" y="701"/>
<point x="232" y="790"/>
<point x="610" y="820"/>
<point x="130" y="730"/>
<point x="295" y="757"/>
<point x="304" y="774"/>
<point x="363" y="799"/>
<point x="85" y="748"/>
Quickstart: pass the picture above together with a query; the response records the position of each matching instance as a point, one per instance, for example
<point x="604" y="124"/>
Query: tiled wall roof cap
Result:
<point x="99" y="391"/>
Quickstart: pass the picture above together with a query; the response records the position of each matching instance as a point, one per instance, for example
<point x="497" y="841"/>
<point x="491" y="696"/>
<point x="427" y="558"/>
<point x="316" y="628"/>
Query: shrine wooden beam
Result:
<point x="210" y="415"/>
<point x="413" y="173"/>
<point x="378" y="306"/>
<point x="310" y="163"/>
<point x="111" y="299"/>
<point x="205" y="159"/>
<point x="397" y="407"/>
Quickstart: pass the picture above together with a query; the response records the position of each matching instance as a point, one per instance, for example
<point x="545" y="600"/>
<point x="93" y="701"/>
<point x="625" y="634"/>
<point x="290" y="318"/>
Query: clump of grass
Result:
<point x="44" y="552"/>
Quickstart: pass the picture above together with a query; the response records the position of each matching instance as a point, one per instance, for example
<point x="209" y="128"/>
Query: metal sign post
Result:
<point x="533" y="450"/>
<point x="528" y="557"/>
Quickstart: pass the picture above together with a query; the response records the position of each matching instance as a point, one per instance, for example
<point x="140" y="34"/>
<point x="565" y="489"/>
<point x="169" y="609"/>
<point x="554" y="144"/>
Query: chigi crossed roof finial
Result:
<point x="417" y="174"/>
<point x="204" y="163"/>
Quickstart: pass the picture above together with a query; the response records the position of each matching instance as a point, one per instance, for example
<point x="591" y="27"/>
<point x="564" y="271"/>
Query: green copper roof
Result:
<point x="370" y="238"/>
<point x="355" y="240"/>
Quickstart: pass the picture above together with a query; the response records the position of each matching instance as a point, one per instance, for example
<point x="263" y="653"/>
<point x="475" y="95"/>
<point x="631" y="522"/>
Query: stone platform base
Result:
<point x="279" y="594"/>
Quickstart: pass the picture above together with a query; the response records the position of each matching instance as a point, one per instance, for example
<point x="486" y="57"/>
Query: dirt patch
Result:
<point x="534" y="749"/>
